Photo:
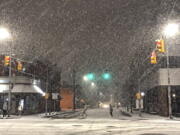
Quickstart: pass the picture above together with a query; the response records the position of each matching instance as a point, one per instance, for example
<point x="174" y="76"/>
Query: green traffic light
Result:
<point x="90" y="76"/>
<point x="106" y="76"/>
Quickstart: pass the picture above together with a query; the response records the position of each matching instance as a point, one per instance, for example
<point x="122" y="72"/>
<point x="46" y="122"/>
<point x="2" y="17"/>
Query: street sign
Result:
<point x="55" y="96"/>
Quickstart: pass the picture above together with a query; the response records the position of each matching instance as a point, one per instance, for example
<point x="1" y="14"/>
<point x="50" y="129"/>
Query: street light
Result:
<point x="92" y="84"/>
<point x="142" y="94"/>
<point x="85" y="78"/>
<point x="169" y="30"/>
<point x="5" y="34"/>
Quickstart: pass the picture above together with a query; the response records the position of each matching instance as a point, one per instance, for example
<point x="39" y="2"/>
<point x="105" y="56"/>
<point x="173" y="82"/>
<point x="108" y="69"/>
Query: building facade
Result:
<point x="24" y="91"/>
<point x="155" y="83"/>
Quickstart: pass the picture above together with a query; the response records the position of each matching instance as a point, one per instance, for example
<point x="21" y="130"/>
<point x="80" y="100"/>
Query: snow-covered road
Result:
<point x="98" y="123"/>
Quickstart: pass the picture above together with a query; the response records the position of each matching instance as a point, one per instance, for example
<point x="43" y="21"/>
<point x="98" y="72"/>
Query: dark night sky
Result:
<point x="90" y="35"/>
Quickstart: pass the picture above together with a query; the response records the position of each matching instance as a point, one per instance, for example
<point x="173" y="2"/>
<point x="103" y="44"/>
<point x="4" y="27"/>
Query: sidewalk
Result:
<point x="53" y="115"/>
<point x="10" y="117"/>
<point x="123" y="114"/>
<point x="145" y="116"/>
<point x="62" y="115"/>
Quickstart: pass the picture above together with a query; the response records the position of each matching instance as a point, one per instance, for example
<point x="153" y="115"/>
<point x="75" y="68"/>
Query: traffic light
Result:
<point x="153" y="58"/>
<point x="160" y="45"/>
<point x="19" y="66"/>
<point x="6" y="60"/>
<point x="47" y="95"/>
<point x="138" y="95"/>
<point x="106" y="76"/>
<point x="90" y="76"/>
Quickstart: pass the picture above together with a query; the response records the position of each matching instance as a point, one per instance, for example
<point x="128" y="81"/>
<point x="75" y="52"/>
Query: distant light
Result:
<point x="4" y="34"/>
<point x="24" y="69"/>
<point x="85" y="78"/>
<point x="39" y="90"/>
<point x="93" y="84"/>
<point x="171" y="29"/>
<point x="105" y="106"/>
<point x="174" y="95"/>
<point x="142" y="94"/>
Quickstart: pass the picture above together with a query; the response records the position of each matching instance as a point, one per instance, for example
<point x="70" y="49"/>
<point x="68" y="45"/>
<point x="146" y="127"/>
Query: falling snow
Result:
<point x="87" y="36"/>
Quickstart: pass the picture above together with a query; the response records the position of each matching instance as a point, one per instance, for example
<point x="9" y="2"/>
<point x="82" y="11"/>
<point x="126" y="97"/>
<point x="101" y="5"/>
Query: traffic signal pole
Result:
<point x="169" y="82"/>
<point x="139" y="90"/>
<point x="10" y="86"/>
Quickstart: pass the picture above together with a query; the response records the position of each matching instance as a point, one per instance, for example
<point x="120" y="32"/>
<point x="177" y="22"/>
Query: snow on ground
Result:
<point x="98" y="122"/>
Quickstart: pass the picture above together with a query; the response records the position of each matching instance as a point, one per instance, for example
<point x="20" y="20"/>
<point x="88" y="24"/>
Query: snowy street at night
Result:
<point x="98" y="122"/>
<point x="89" y="67"/>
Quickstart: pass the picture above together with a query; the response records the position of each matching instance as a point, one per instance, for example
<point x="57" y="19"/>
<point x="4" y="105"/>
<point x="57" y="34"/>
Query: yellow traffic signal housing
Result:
<point x="160" y="45"/>
<point x="138" y="95"/>
<point x="46" y="96"/>
<point x="19" y="67"/>
<point x="153" y="58"/>
<point x="6" y="60"/>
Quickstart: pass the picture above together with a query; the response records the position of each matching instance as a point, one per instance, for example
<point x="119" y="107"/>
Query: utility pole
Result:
<point x="139" y="90"/>
<point x="60" y="90"/>
<point x="46" y="103"/>
<point x="74" y="89"/>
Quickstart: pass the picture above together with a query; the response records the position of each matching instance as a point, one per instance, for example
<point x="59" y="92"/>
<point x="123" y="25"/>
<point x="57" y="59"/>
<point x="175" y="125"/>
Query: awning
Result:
<point x="4" y="87"/>
<point x="21" y="88"/>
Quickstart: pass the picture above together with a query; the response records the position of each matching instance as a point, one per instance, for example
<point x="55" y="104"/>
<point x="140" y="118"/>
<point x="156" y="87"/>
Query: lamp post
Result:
<point x="169" y="31"/>
<point x="4" y="34"/>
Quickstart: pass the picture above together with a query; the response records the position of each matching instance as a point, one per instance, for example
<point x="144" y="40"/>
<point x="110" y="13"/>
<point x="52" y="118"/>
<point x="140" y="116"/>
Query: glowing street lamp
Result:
<point x="85" y="78"/>
<point x="171" y="29"/>
<point x="92" y="84"/>
<point x="4" y="33"/>
<point x="142" y="94"/>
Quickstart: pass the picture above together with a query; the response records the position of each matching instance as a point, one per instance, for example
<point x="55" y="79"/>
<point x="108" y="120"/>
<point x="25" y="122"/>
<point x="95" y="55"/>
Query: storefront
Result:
<point x="24" y="92"/>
